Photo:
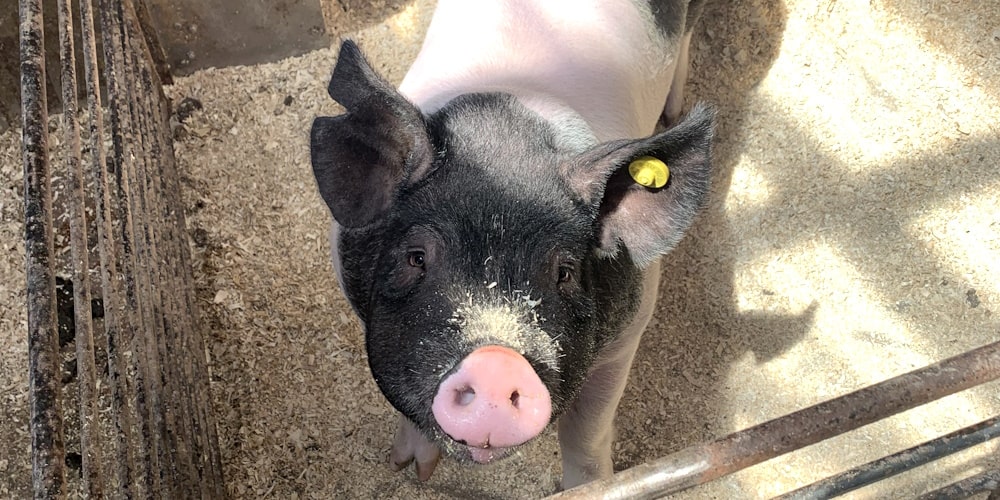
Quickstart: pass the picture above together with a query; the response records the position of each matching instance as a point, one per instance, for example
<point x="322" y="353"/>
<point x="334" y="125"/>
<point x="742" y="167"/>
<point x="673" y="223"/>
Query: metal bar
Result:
<point x="112" y="288"/>
<point x="191" y="427"/>
<point x="162" y="457"/>
<point x="181" y="456"/>
<point x="987" y="481"/>
<point x="90" y="441"/>
<point x="704" y="462"/>
<point x="175" y="382"/>
<point x="155" y="53"/>
<point x="898" y="462"/>
<point x="47" y="446"/>
<point x="168" y="383"/>
<point x="186" y="337"/>
<point x="186" y="378"/>
<point x="130" y="321"/>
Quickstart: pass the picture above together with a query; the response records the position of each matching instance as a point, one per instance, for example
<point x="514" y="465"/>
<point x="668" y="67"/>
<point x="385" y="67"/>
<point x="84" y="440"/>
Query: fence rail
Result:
<point x="701" y="463"/>
<point x="157" y="437"/>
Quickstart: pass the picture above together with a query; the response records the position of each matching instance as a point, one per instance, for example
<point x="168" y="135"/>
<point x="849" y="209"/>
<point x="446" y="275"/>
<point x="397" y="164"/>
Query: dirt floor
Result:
<point x="853" y="235"/>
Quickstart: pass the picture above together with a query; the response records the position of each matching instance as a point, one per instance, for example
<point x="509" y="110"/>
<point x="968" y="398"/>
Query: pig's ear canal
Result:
<point x="361" y="159"/>
<point x="648" y="221"/>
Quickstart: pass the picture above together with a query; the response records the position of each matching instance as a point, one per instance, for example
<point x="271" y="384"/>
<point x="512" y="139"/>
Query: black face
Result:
<point x="493" y="226"/>
<point x="483" y="224"/>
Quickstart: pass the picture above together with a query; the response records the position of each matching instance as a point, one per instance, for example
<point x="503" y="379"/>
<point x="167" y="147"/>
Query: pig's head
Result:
<point x="489" y="253"/>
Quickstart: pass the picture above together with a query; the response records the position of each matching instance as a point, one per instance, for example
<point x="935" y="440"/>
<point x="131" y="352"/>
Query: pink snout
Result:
<point x="493" y="399"/>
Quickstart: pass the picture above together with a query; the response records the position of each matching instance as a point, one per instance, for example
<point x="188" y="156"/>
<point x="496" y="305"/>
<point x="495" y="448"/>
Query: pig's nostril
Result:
<point x="515" y="398"/>
<point x="463" y="397"/>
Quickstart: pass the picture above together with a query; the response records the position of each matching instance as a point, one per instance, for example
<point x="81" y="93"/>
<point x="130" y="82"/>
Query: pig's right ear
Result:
<point x="361" y="159"/>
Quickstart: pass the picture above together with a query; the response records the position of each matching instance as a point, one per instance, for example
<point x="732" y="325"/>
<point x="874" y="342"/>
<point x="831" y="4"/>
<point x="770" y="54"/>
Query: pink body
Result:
<point x="601" y="71"/>
<point x="602" y="60"/>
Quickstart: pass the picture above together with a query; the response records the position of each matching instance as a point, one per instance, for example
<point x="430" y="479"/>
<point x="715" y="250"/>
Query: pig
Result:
<point x="487" y="231"/>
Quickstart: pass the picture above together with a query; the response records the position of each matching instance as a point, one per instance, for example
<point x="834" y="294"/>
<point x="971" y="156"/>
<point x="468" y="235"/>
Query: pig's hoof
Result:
<point x="409" y="446"/>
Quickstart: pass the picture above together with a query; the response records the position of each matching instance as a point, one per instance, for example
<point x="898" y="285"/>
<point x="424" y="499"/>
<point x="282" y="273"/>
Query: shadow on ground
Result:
<point x="697" y="330"/>
<point x="681" y="373"/>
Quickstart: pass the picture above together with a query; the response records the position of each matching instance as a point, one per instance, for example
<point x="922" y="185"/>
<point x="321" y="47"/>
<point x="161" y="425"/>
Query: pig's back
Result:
<point x="609" y="60"/>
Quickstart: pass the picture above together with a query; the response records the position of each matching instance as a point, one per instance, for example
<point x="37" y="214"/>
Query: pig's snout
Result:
<point x="494" y="399"/>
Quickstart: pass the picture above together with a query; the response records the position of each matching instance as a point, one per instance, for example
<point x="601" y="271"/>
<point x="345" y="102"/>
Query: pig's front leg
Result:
<point x="586" y="430"/>
<point x="409" y="445"/>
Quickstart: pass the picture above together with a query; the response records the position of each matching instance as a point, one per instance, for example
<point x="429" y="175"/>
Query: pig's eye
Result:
<point x="415" y="258"/>
<point x="566" y="273"/>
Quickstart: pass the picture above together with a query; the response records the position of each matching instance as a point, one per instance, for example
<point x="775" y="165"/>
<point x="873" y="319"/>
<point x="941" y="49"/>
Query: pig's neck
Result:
<point x="597" y="62"/>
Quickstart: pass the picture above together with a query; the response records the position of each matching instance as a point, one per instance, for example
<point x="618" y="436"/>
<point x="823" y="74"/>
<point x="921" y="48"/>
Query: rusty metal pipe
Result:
<point x="704" y="462"/>
<point x="90" y="440"/>
<point x="47" y="443"/>
<point x="986" y="481"/>
<point x="896" y="463"/>
<point x="98" y="177"/>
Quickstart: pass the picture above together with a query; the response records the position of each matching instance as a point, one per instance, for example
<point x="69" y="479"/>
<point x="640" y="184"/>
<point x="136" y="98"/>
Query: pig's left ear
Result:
<point x="361" y="159"/>
<point x="647" y="221"/>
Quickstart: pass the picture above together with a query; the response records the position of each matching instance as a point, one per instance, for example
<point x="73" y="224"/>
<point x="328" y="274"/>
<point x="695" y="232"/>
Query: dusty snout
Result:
<point x="493" y="399"/>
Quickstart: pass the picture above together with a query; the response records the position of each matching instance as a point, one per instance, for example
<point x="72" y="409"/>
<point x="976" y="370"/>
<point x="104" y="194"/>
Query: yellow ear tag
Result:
<point x="649" y="172"/>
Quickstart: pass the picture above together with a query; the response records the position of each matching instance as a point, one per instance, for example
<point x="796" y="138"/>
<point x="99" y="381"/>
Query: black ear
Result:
<point x="362" y="158"/>
<point x="647" y="221"/>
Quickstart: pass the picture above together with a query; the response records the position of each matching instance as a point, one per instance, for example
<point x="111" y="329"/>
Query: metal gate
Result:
<point x="140" y="412"/>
